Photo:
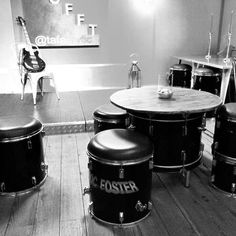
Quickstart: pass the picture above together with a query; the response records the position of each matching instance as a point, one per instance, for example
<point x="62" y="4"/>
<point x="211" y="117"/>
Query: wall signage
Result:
<point x="59" y="26"/>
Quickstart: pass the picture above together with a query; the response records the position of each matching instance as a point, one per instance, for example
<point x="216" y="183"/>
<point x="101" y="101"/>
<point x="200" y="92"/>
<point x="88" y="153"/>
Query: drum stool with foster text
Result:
<point x="120" y="167"/>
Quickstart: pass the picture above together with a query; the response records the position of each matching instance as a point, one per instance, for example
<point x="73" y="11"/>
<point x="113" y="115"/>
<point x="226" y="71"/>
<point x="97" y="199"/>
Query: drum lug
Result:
<point x="90" y="208"/>
<point x="185" y="130"/>
<point x="233" y="188"/>
<point x="121" y="173"/>
<point x="44" y="167"/>
<point x="86" y="191"/>
<point x="90" y="166"/>
<point x="43" y="133"/>
<point x="151" y="130"/>
<point x="212" y="178"/>
<point x="29" y="143"/>
<point x="33" y="179"/>
<point x="183" y="157"/>
<point x="215" y="145"/>
<point x="2" y="186"/>
<point x="218" y="124"/>
<point x="149" y="205"/>
<point x="121" y="217"/>
<point x="151" y="164"/>
<point x="140" y="207"/>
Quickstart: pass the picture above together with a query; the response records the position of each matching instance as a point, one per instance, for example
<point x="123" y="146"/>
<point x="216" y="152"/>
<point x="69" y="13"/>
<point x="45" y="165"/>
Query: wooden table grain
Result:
<point x="146" y="100"/>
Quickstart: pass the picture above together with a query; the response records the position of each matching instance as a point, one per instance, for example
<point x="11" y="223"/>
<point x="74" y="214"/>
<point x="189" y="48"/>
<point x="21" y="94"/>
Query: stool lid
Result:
<point x="120" y="146"/>
<point x="16" y="127"/>
<point x="183" y="67"/>
<point x="203" y="71"/>
<point x="109" y="111"/>
<point x="227" y="111"/>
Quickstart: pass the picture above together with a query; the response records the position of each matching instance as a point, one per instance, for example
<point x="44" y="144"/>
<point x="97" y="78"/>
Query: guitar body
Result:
<point x="32" y="62"/>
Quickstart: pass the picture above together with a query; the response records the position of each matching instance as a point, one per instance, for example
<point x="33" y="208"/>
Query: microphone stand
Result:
<point x="227" y="59"/>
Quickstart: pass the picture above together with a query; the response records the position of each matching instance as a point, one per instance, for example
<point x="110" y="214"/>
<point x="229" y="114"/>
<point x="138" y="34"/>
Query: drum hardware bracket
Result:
<point x="151" y="164"/>
<point x="44" y="167"/>
<point x="33" y="179"/>
<point x="86" y="190"/>
<point x="233" y="188"/>
<point x="90" y="165"/>
<point x="121" y="173"/>
<point x="140" y="207"/>
<point x="90" y="209"/>
<point x="29" y="143"/>
<point x="2" y="187"/>
<point x="121" y="218"/>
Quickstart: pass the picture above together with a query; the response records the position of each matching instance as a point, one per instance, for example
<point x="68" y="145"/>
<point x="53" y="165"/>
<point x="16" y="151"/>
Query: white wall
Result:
<point x="175" y="27"/>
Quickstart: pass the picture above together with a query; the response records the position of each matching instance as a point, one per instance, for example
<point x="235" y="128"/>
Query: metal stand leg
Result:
<point x="187" y="179"/>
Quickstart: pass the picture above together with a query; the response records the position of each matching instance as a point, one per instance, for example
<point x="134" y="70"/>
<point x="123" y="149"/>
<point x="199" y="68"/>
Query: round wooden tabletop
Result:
<point x="146" y="100"/>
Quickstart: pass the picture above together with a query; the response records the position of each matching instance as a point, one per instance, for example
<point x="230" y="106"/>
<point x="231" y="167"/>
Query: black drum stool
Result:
<point x="223" y="175"/>
<point x="109" y="116"/>
<point x="180" y="75"/>
<point x="22" y="166"/>
<point x="120" y="166"/>
<point x="206" y="79"/>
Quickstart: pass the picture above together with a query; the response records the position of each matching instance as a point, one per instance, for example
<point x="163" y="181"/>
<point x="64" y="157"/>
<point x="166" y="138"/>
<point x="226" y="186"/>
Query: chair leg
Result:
<point x="55" y="86"/>
<point x="41" y="85"/>
<point x="22" y="92"/>
<point x="34" y="83"/>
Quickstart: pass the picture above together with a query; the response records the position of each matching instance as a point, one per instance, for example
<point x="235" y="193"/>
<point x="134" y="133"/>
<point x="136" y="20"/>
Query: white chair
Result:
<point x="35" y="78"/>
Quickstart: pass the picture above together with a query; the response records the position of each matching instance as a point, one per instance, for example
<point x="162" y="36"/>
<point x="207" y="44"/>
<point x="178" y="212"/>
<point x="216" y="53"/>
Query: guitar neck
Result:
<point x="28" y="40"/>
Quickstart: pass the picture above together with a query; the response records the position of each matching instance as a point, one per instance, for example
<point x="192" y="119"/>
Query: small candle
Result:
<point x="211" y="26"/>
<point x="230" y="24"/>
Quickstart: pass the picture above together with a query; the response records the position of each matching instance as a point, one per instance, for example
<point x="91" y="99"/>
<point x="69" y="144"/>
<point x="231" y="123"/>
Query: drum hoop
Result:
<point x="20" y="138"/>
<point x="185" y="165"/>
<point x="113" y="121"/>
<point x="230" y="119"/>
<point x="117" y="224"/>
<point x="223" y="191"/>
<point x="225" y="158"/>
<point x="167" y="121"/>
<point x="180" y="69"/>
<point x="120" y="163"/>
<point x="25" y="191"/>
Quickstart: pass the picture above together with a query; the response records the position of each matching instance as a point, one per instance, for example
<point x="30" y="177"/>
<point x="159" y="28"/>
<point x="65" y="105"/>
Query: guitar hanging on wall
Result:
<point x="31" y="60"/>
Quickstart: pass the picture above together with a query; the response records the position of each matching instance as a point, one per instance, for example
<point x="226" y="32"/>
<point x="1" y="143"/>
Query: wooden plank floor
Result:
<point x="60" y="208"/>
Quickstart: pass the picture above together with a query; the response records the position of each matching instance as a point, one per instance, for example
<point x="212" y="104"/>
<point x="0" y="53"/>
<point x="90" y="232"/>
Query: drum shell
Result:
<point x="225" y="136"/>
<point x="180" y="75"/>
<point x="208" y="83"/>
<point x="101" y="124"/>
<point x="21" y="160"/>
<point x="172" y="136"/>
<point x="223" y="174"/>
<point x="108" y="116"/>
<point x="109" y="201"/>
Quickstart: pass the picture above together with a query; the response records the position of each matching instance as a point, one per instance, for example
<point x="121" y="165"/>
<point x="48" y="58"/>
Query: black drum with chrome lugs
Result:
<point x="176" y="139"/>
<point x="22" y="166"/>
<point x="120" y="168"/>
<point x="180" y="75"/>
<point x="206" y="79"/>
<point x="108" y="116"/>
<point x="224" y="149"/>
<point x="223" y="174"/>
